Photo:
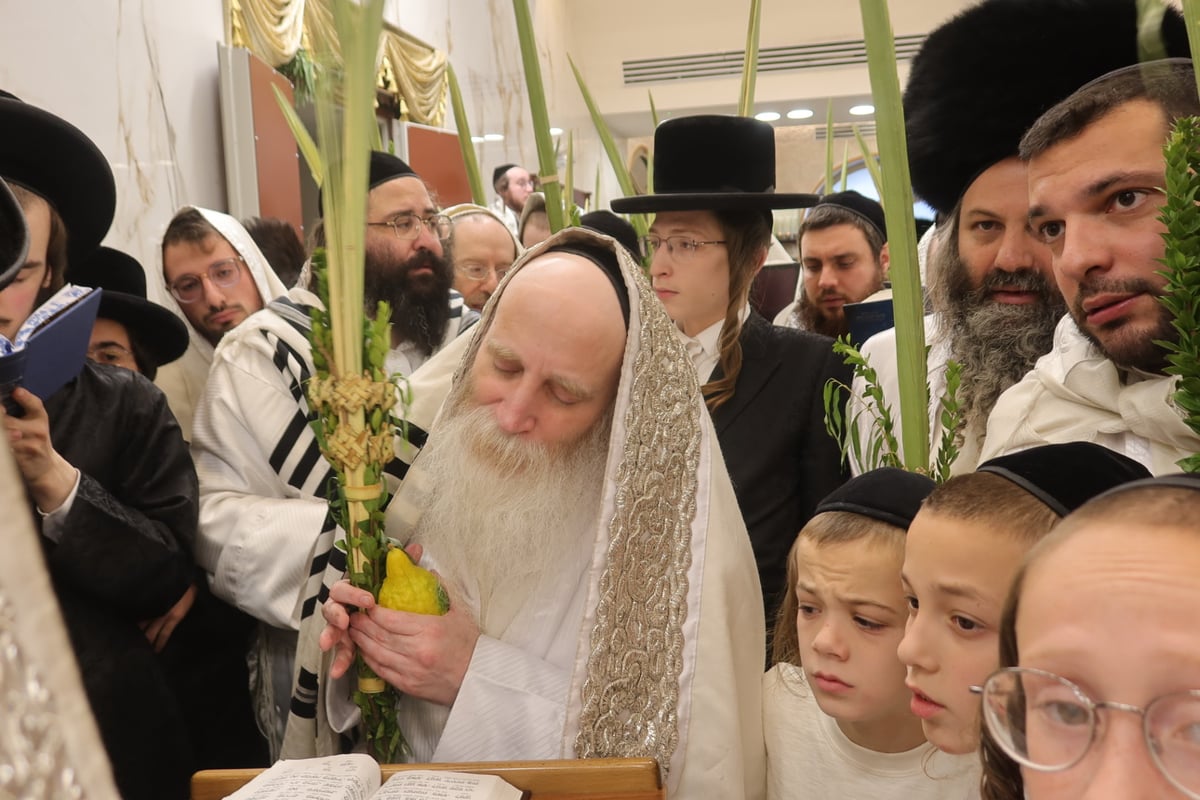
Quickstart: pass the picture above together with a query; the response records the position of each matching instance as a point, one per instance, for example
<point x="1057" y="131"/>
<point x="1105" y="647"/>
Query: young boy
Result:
<point x="962" y="552"/>
<point x="835" y="707"/>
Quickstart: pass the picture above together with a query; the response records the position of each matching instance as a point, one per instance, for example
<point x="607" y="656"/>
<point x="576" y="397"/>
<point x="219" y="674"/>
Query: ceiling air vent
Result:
<point x="845" y="130"/>
<point x="770" y="59"/>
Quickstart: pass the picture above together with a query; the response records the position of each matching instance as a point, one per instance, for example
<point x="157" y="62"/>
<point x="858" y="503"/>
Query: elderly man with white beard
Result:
<point x="572" y="497"/>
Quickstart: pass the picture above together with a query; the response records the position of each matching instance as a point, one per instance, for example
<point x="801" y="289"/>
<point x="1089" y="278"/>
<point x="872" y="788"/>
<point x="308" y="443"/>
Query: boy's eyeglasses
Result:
<point x="681" y="248"/>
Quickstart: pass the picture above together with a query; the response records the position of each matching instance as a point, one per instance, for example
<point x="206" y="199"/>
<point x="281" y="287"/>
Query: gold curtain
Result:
<point x="413" y="71"/>
<point x="271" y="29"/>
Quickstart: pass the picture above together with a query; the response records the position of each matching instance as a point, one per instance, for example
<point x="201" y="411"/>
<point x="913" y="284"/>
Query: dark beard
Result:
<point x="995" y="343"/>
<point x="420" y="304"/>
<point x="1137" y="351"/>
<point x="811" y="319"/>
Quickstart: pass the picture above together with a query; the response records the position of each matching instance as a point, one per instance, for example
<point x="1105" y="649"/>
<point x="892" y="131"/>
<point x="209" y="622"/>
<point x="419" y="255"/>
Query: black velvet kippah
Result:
<point x="859" y="204"/>
<point x="385" y="167"/>
<point x="887" y="494"/>
<point x="1181" y="480"/>
<point x="499" y="171"/>
<point x="1065" y="476"/>
<point x="604" y="258"/>
<point x="610" y="224"/>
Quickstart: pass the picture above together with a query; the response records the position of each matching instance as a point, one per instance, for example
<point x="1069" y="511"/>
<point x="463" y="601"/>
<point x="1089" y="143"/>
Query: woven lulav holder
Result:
<point x="339" y="400"/>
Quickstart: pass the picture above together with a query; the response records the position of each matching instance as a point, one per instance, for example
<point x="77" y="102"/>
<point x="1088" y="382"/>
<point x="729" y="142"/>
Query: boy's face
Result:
<point x="850" y="619"/>
<point x="956" y="576"/>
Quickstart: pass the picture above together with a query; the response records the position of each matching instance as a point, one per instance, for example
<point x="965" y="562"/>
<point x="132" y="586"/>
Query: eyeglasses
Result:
<point x="408" y="226"/>
<point x="1047" y="723"/>
<point x="479" y="272"/>
<point x="680" y="248"/>
<point x="111" y="353"/>
<point x="223" y="274"/>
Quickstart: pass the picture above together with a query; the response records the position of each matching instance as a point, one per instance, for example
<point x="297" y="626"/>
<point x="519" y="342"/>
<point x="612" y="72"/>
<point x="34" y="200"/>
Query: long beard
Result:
<point x="995" y="343"/>
<point x="504" y="515"/>
<point x="420" y="303"/>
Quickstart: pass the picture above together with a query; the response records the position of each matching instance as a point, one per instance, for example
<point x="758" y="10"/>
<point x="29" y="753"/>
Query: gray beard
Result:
<point x="502" y="516"/>
<point x="995" y="343"/>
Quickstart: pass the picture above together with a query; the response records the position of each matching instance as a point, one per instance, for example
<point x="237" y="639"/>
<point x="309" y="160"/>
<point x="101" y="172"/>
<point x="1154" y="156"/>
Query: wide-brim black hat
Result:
<point x="713" y="163"/>
<point x="983" y="78"/>
<point x="157" y="331"/>
<point x="14" y="236"/>
<point x="1065" y="476"/>
<point x="58" y="162"/>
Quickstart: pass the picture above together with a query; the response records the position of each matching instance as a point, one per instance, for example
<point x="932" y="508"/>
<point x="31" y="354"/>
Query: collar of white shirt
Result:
<point x="705" y="347"/>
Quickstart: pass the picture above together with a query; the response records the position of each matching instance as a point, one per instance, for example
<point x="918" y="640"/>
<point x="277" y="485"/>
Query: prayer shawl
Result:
<point x="266" y="537"/>
<point x="182" y="381"/>
<point x="665" y="658"/>
<point x="1075" y="394"/>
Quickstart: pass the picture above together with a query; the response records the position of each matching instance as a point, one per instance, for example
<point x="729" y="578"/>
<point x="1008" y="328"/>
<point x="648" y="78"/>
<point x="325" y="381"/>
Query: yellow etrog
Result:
<point x="408" y="587"/>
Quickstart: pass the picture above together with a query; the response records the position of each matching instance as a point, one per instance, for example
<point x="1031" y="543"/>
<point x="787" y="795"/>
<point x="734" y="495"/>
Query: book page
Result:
<point x="444" y="785"/>
<point x="348" y="777"/>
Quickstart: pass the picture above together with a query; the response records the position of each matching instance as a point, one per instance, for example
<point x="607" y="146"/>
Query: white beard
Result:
<point x="503" y="517"/>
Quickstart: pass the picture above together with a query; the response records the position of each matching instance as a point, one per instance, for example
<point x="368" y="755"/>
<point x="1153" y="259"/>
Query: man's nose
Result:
<point x="1084" y="250"/>
<point x="515" y="414"/>
<point x="213" y="295"/>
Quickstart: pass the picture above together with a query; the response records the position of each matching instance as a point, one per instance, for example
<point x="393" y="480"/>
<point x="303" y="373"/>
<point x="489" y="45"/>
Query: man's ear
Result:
<point x="885" y="261"/>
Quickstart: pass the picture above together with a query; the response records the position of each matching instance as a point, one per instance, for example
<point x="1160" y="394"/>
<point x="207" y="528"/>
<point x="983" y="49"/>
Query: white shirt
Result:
<point x="705" y="347"/>
<point x="808" y="756"/>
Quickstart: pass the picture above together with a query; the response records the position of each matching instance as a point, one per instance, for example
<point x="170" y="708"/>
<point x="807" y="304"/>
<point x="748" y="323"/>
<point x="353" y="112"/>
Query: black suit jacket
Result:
<point x="780" y="458"/>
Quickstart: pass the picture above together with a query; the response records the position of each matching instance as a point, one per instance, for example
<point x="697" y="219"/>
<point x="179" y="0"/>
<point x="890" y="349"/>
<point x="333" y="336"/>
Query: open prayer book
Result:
<point x="355" y="776"/>
<point x="51" y="345"/>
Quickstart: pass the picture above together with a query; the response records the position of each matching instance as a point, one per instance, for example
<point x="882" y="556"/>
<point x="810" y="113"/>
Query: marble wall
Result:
<point x="140" y="78"/>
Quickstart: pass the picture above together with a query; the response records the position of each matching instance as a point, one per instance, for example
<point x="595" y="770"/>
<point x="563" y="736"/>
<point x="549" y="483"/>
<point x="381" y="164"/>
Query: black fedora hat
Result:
<point x="713" y="163"/>
<point x="14" y="236"/>
<point x="57" y="161"/>
<point x="972" y="93"/>
<point x="157" y="331"/>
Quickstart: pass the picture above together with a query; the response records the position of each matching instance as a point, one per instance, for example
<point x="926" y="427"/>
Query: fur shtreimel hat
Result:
<point x="887" y="494"/>
<point x="713" y="163"/>
<point x="983" y="78"/>
<point x="1065" y="476"/>
<point x="59" y="163"/>
<point x="160" y="333"/>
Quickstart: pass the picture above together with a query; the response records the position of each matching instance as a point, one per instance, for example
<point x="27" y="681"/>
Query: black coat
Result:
<point x="779" y="456"/>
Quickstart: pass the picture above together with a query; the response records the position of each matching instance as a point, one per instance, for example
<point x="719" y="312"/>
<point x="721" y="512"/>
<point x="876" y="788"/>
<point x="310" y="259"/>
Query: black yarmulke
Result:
<point x="499" y="171"/>
<point x="610" y="224"/>
<point x="1065" y="476"/>
<point x="982" y="79"/>
<point x="859" y="204"/>
<point x="887" y="494"/>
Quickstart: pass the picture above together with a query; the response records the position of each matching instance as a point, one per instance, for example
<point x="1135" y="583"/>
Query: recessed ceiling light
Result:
<point x="477" y="139"/>
<point x="556" y="131"/>
<point x="493" y="137"/>
<point x="862" y="111"/>
<point x="767" y="116"/>
<point x="800" y="113"/>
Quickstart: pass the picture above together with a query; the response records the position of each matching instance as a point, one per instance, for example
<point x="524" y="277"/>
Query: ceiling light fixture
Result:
<point x="493" y="137"/>
<point x="767" y="116"/>
<point x="864" y="110"/>
<point x="800" y="113"/>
